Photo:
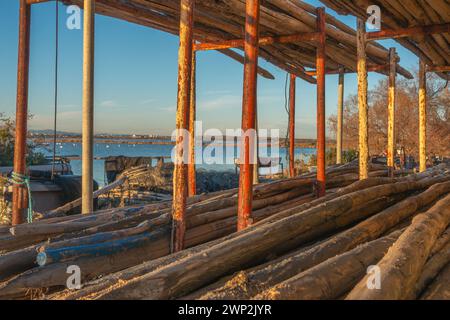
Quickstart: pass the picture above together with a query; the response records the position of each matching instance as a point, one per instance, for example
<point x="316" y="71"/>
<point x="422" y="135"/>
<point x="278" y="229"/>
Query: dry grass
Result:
<point x="5" y="212"/>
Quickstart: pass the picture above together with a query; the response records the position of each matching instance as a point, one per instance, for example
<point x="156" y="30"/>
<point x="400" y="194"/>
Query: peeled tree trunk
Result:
<point x="367" y="230"/>
<point x="401" y="267"/>
<point x="440" y="287"/>
<point x="332" y="278"/>
<point x="94" y="289"/>
<point x="189" y="274"/>
<point x="431" y="269"/>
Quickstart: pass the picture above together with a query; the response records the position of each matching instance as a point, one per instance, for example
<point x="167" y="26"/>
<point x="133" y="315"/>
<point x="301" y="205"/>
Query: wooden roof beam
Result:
<point x="380" y="68"/>
<point x="438" y="68"/>
<point x="36" y="1"/>
<point x="408" y="32"/>
<point x="237" y="43"/>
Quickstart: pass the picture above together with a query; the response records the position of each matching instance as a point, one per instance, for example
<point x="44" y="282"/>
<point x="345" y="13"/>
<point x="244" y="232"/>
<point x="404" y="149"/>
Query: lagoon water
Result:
<point x="149" y="150"/>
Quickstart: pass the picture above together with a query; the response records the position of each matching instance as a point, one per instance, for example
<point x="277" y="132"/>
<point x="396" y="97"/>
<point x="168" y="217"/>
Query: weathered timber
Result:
<point x="402" y="265"/>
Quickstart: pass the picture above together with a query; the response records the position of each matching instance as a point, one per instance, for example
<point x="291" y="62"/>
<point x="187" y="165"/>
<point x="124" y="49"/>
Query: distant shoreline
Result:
<point x="145" y="140"/>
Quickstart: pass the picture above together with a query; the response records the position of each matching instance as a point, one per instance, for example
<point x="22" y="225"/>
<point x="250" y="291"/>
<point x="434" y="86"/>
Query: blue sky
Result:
<point x="136" y="78"/>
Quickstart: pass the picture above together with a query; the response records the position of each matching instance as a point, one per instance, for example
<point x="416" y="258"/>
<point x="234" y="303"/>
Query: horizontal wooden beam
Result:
<point x="408" y="32"/>
<point x="371" y="68"/>
<point x="237" y="43"/>
<point x="36" y="1"/>
<point x="438" y="68"/>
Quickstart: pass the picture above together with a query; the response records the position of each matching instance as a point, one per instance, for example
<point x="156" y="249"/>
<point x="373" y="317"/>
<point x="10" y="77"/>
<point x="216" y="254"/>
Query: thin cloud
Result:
<point x="147" y="101"/>
<point x="170" y="109"/>
<point x="217" y="92"/>
<point x="108" y="104"/>
<point x="225" y="101"/>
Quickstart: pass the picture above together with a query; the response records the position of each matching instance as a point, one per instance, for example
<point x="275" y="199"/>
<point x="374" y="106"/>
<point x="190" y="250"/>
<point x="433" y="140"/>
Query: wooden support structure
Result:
<point x="370" y="68"/>
<point x="192" y="179"/>
<point x="438" y="68"/>
<point x="391" y="147"/>
<point x="362" y="102"/>
<point x="422" y="116"/>
<point x="180" y="187"/>
<point x="409" y="32"/>
<point x="380" y="68"/>
<point x="340" y="117"/>
<point x="263" y="41"/>
<point x="320" y="67"/>
<point x="292" y="126"/>
<point x="19" y="191"/>
<point x="248" y="112"/>
<point x="88" y="108"/>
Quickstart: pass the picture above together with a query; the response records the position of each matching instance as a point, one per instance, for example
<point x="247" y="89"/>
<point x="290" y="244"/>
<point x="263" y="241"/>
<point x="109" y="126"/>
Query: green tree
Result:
<point x="7" y="145"/>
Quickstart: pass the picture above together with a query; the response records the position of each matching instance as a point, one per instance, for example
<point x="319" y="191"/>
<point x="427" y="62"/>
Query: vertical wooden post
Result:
<point x="292" y="126"/>
<point x="180" y="188"/>
<point x="88" y="108"/>
<point x="19" y="192"/>
<point x="340" y="117"/>
<point x="248" y="112"/>
<point x="391" y="111"/>
<point x="422" y="116"/>
<point x="192" y="179"/>
<point x="320" y="67"/>
<point x="362" y="102"/>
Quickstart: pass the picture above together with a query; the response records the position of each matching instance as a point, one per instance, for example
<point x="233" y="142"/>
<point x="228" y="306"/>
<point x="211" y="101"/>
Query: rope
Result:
<point x="23" y="180"/>
<point x="286" y="107"/>
<point x="56" y="85"/>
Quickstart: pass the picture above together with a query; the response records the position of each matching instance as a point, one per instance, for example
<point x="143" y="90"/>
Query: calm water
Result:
<point x="130" y="150"/>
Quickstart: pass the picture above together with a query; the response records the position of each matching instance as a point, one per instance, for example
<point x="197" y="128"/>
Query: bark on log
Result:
<point x="440" y="287"/>
<point x="367" y="230"/>
<point x="402" y="265"/>
<point x="331" y="278"/>
<point x="204" y="267"/>
<point x="440" y="257"/>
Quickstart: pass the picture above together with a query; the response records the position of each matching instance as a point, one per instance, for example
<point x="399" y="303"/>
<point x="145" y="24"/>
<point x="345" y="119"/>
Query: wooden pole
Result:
<point x="422" y="116"/>
<point x="248" y="112"/>
<point x="180" y="188"/>
<point x="19" y="191"/>
<point x="292" y="126"/>
<point x="391" y="112"/>
<point x="192" y="179"/>
<point x="88" y="108"/>
<point x="340" y="117"/>
<point x="320" y="67"/>
<point x="362" y="102"/>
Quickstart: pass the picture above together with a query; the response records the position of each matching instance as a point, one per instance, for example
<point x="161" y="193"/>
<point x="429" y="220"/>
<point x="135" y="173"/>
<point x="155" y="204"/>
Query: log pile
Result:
<point x="125" y="253"/>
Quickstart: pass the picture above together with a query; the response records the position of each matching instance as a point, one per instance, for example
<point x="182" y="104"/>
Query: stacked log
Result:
<point x="128" y="249"/>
